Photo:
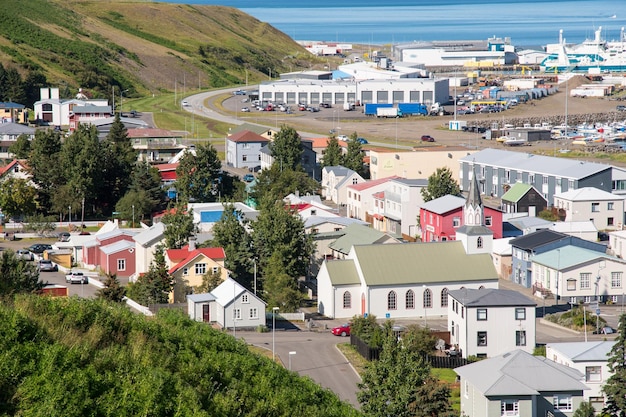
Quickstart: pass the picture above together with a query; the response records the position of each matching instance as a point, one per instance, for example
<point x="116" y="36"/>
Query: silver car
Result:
<point x="46" y="265"/>
<point x="24" y="254"/>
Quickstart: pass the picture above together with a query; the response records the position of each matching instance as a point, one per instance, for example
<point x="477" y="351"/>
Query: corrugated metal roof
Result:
<point x="569" y="256"/>
<point x="517" y="191"/>
<point x="444" y="204"/>
<point x="198" y="298"/>
<point x="342" y="272"/>
<point x="489" y="297"/>
<point x="596" y="351"/>
<point x="588" y="194"/>
<point x="520" y="373"/>
<point x="117" y="247"/>
<point x="559" y="167"/>
<point x="538" y="238"/>
<point x="356" y="234"/>
<point x="411" y="263"/>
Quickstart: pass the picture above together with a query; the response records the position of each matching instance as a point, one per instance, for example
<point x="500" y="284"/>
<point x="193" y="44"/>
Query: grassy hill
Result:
<point x="141" y="46"/>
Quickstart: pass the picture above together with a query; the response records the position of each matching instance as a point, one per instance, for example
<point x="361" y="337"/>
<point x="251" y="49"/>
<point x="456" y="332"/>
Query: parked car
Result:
<point x="46" y="265"/>
<point x="345" y="138"/>
<point x="75" y="277"/>
<point x="605" y="330"/>
<point x="621" y="107"/>
<point x="248" y="178"/>
<point x="24" y="254"/>
<point x="343" y="330"/>
<point x="326" y="105"/>
<point x="255" y="168"/>
<point x="245" y="109"/>
<point x="185" y="103"/>
<point x="239" y="93"/>
<point x="64" y="237"/>
<point x="39" y="248"/>
<point x="427" y="138"/>
<point x="362" y="141"/>
<point x="313" y="109"/>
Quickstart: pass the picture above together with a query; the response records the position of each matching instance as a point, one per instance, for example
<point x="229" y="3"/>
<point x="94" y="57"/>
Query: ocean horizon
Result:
<point x="526" y="23"/>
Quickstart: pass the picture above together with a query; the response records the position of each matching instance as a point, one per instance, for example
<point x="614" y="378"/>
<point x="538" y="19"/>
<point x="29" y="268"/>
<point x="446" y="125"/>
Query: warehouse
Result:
<point x="314" y="92"/>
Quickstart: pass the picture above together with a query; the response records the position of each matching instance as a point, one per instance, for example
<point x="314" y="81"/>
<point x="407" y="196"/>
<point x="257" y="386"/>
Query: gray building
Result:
<point x="497" y="170"/>
<point x="243" y="149"/>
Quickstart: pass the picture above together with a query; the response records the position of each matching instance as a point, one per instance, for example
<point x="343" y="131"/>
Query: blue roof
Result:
<point x="569" y="256"/>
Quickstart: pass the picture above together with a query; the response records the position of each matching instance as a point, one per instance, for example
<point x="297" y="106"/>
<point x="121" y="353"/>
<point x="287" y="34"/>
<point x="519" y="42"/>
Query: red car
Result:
<point x="427" y="138"/>
<point x="343" y="330"/>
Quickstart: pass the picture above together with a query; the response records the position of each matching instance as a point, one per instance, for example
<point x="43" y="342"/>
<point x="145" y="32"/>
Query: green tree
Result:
<point x="155" y="286"/>
<point x="286" y="149"/>
<point x="112" y="290"/>
<point x="17" y="197"/>
<point x="399" y="383"/>
<point x="118" y="159"/>
<point x="17" y="276"/>
<point x="548" y="215"/>
<point x="229" y="232"/>
<point x="333" y="154"/>
<point x="40" y="224"/>
<point x="440" y="183"/>
<point x="21" y="148"/>
<point x="146" y="178"/>
<point x="179" y="226"/>
<point x="273" y="184"/>
<point x="353" y="159"/>
<point x="44" y="167"/>
<point x="585" y="409"/>
<point x="615" y="386"/>
<point x="135" y="205"/>
<point x="198" y="175"/>
<point x="210" y="281"/>
<point x="279" y="288"/>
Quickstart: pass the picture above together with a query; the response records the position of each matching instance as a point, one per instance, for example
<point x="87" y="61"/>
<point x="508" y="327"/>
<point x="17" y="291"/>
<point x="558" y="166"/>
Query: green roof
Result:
<point x="569" y="256"/>
<point x="517" y="191"/>
<point x="356" y="234"/>
<point x="343" y="272"/>
<point x="432" y="262"/>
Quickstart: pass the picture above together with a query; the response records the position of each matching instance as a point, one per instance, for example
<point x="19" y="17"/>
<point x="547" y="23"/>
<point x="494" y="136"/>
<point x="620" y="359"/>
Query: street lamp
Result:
<point x="274" y="311"/>
<point x="293" y="352"/>
<point x="254" y="260"/>
<point x="133" y="225"/>
<point x="69" y="211"/>
<point x="122" y="100"/>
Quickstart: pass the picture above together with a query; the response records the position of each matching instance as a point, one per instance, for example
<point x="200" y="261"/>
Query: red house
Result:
<point x="441" y="217"/>
<point x="111" y="252"/>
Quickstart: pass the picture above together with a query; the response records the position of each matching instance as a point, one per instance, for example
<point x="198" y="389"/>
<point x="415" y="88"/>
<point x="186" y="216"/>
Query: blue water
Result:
<point x="527" y="23"/>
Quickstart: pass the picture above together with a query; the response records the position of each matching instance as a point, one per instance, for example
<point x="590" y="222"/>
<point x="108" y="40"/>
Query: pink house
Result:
<point x="106" y="249"/>
<point x="441" y="217"/>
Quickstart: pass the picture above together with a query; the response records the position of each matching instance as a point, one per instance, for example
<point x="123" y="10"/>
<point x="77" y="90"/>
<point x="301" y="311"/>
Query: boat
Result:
<point x="516" y="142"/>
<point x="595" y="55"/>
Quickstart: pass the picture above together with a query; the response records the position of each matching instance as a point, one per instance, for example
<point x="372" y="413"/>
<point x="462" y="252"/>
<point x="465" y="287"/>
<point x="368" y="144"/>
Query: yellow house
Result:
<point x="12" y="112"/>
<point x="188" y="266"/>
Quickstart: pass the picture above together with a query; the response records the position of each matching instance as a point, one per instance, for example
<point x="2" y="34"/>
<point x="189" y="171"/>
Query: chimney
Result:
<point x="192" y="244"/>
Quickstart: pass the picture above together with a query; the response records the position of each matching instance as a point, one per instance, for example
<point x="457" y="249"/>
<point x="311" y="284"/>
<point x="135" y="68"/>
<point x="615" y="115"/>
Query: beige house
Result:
<point x="188" y="266"/>
<point x="335" y="182"/>
<point x="604" y="209"/>
<point x="421" y="163"/>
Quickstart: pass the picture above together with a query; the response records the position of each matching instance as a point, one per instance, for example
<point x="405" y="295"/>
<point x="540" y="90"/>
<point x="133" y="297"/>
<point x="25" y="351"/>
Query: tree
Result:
<point x="440" y="183"/>
<point x="17" y="275"/>
<point x="155" y="286"/>
<point x="179" y="226"/>
<point x="134" y="205"/>
<point x="210" y="281"/>
<point x="112" y="289"/>
<point x="45" y="169"/>
<point x="40" y="224"/>
<point x="333" y="154"/>
<point x="585" y="409"/>
<point x="17" y="197"/>
<point x="399" y="383"/>
<point x="21" y="148"/>
<point x="279" y="288"/>
<point x="146" y="178"/>
<point x="198" y="175"/>
<point x="286" y="149"/>
<point x="354" y="156"/>
<point x="273" y="184"/>
<point x="615" y="386"/>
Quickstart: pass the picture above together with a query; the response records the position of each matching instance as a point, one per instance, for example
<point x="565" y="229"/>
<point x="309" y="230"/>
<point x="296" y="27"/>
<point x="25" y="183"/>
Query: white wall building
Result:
<point x="360" y="201"/>
<point x="56" y="111"/>
<point x="604" y="209"/>
<point x="335" y="182"/>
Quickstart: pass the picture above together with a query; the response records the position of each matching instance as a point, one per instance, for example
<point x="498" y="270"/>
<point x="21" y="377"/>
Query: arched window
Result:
<point x="410" y="299"/>
<point x="347" y="300"/>
<point x="391" y="300"/>
<point x="479" y="242"/>
<point x="428" y="298"/>
<point x="444" y="297"/>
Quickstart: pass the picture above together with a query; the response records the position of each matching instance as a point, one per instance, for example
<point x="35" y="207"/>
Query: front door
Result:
<point x="206" y="316"/>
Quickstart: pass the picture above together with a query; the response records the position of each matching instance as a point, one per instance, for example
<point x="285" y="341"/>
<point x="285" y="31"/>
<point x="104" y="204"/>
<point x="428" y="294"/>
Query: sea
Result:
<point x="529" y="23"/>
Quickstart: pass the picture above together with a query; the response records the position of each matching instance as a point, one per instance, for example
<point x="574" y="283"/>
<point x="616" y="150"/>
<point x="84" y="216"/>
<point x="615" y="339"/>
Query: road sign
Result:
<point x="597" y="311"/>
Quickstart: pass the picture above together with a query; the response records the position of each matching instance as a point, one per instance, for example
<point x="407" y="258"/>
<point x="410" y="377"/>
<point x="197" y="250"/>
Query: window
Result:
<point x="428" y="299"/>
<point x="570" y="184"/>
<point x="456" y="221"/>
<point x="609" y="205"/>
<point x="245" y="157"/>
<point x="410" y="299"/>
<point x="609" y="221"/>
<point x="531" y="178"/>
<point x="563" y="402"/>
<point x="313" y="212"/>
<point x="391" y="300"/>
<point x="520" y="313"/>
<point x="200" y="269"/>
<point x="520" y="338"/>
<point x="215" y="270"/>
<point x="481" y="339"/>
<point x="510" y="408"/>
<point x="237" y="314"/>
<point x="488" y="220"/>
<point x="595" y="207"/>
<point x="481" y="314"/>
<point x="185" y="271"/>
<point x="254" y="313"/>
<point x="347" y="300"/>
<point x="462" y="312"/>
<point x="593" y="374"/>
<point x="121" y="264"/>
<point x="479" y="242"/>
<point x="245" y="299"/>
<point x="545" y="179"/>
<point x="585" y="279"/>
<point x="616" y="280"/>
<point x="444" y="297"/>
<point x="571" y="284"/>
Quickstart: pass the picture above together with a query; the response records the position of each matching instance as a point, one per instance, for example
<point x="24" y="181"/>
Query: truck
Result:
<point x="371" y="108"/>
<point x="388" y="112"/>
<point x="348" y="106"/>
<point x="413" y="109"/>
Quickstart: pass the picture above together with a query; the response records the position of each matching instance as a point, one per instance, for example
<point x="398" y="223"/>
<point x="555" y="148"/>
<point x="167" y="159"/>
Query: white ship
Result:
<point x="592" y="55"/>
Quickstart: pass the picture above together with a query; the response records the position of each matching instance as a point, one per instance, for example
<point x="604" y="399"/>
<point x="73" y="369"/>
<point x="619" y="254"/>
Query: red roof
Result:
<point x="183" y="256"/>
<point x="323" y="142"/>
<point x="247" y="136"/>
<point x="11" y="164"/>
<point x="166" y="167"/>
<point x="368" y="184"/>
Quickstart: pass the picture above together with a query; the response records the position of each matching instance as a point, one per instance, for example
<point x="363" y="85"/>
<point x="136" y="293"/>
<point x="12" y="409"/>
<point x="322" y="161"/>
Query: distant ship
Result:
<point x="592" y="55"/>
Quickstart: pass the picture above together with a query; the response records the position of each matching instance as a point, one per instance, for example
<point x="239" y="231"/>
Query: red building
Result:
<point x="111" y="252"/>
<point x="440" y="218"/>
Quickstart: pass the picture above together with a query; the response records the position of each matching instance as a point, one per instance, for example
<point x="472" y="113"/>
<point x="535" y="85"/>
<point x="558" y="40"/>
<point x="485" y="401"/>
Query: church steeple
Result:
<point x="473" y="210"/>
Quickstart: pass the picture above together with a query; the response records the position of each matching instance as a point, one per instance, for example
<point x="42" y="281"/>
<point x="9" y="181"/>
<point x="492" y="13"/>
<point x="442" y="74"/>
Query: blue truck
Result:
<point x="371" y="109"/>
<point x="413" y="109"/>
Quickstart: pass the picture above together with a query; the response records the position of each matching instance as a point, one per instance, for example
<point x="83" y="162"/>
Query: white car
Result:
<point x="185" y="103"/>
<point x="345" y="138"/>
<point x="245" y="109"/>
<point x="75" y="277"/>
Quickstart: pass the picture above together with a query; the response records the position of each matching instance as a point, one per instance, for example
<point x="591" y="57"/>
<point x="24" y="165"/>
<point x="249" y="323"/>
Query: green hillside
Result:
<point x="75" y="357"/>
<point x="144" y="47"/>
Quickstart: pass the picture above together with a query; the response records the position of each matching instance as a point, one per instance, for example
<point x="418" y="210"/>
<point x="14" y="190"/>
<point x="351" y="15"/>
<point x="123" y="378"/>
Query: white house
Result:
<point x="604" y="209"/>
<point x="489" y="322"/>
<point x="590" y="358"/>
<point x="229" y="305"/>
<point x="584" y="229"/>
<point x="517" y="384"/>
<point x="243" y="149"/>
<point x="361" y="200"/>
<point x="145" y="245"/>
<point x="401" y="202"/>
<point x="409" y="280"/>
<point x="335" y="180"/>
<point x="617" y="244"/>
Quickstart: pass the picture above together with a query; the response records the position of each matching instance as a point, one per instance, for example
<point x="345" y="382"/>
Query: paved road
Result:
<point x="316" y="356"/>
